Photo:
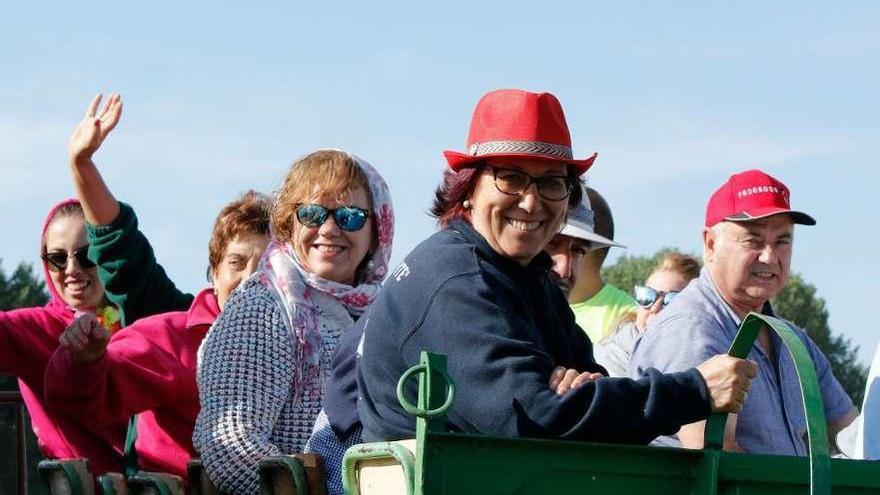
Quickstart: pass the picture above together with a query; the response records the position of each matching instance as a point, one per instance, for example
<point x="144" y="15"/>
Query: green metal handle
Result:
<point x="146" y="480"/>
<point x="814" y="412"/>
<point x="417" y="411"/>
<point x="130" y="461"/>
<point x="379" y="450"/>
<point x="290" y="465"/>
<point x="108" y="484"/>
<point x="49" y="466"/>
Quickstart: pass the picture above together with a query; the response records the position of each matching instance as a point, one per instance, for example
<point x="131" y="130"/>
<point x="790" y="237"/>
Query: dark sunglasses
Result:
<point x="551" y="187"/>
<point x="348" y="218"/>
<point x="57" y="260"/>
<point x="646" y="296"/>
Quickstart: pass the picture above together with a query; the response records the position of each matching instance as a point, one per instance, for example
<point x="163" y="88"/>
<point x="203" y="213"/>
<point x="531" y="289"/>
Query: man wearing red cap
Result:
<point x="747" y="243"/>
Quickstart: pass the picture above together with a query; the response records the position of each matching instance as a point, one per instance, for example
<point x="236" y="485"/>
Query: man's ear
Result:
<point x="709" y="241"/>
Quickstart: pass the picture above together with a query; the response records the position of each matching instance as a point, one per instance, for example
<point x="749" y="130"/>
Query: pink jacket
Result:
<point x="28" y="337"/>
<point x="149" y="369"/>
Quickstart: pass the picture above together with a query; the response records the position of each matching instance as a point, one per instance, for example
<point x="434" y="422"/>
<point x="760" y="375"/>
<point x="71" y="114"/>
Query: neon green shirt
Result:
<point x="598" y="315"/>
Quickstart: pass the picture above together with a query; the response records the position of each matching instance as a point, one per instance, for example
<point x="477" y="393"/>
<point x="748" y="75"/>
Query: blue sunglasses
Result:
<point x="647" y="296"/>
<point x="347" y="218"/>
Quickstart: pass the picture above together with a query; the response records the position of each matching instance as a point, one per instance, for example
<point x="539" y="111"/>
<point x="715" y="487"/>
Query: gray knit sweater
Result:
<point x="245" y="379"/>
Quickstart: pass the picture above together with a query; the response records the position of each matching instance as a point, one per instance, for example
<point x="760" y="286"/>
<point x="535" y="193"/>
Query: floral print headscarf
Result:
<point x="283" y="274"/>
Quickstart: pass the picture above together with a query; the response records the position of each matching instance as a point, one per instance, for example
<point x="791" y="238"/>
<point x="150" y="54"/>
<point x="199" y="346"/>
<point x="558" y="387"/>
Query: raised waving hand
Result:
<point x="94" y="127"/>
<point x="98" y="203"/>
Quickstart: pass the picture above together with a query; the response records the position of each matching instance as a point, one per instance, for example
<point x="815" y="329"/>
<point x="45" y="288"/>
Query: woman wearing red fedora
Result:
<point x="478" y="291"/>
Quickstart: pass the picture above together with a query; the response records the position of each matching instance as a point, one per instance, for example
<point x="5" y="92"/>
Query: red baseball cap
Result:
<point x="752" y="195"/>
<point x="518" y="124"/>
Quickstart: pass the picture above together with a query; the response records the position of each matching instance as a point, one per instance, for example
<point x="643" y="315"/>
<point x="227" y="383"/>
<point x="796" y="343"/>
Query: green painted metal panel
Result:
<point x="474" y="464"/>
<point x="814" y="412"/>
<point x="458" y="463"/>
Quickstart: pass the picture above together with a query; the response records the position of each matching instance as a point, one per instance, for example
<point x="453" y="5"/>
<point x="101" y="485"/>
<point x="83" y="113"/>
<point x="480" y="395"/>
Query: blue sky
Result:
<point x="674" y="96"/>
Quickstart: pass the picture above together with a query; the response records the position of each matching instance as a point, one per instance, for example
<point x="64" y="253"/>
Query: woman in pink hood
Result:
<point x="29" y="336"/>
<point x="149" y="368"/>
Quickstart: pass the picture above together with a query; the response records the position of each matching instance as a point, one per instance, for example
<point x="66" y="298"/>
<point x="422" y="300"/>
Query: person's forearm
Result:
<point x="114" y="387"/>
<point x="73" y="387"/>
<point x="99" y="205"/>
<point x="692" y="435"/>
<point x="837" y="425"/>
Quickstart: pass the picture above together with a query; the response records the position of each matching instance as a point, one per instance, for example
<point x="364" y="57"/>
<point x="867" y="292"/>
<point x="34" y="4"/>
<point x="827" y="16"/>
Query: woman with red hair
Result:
<point x="478" y="291"/>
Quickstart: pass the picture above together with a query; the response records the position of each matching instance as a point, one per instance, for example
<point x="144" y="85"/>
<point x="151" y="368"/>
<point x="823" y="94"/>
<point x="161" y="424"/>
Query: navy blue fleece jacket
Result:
<point x="503" y="327"/>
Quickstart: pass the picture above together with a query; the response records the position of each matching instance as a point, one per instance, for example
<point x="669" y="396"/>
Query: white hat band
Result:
<point x="531" y="147"/>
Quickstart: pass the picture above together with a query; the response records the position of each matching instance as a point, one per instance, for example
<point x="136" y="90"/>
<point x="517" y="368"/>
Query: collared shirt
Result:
<point x="698" y="325"/>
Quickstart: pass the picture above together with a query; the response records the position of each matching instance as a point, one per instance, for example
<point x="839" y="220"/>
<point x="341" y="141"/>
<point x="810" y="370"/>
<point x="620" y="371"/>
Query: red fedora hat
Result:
<point x="518" y="124"/>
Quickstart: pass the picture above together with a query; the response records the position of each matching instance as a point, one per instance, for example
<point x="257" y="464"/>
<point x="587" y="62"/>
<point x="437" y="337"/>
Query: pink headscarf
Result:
<point x="56" y="302"/>
<point x="28" y="338"/>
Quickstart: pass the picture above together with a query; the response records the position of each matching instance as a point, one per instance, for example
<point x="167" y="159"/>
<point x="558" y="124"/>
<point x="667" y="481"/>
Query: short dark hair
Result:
<point x="456" y="187"/>
<point x="248" y="214"/>
<point x="604" y="221"/>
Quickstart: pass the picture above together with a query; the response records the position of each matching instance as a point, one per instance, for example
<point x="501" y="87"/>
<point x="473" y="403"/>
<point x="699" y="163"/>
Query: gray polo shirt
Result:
<point x="697" y="325"/>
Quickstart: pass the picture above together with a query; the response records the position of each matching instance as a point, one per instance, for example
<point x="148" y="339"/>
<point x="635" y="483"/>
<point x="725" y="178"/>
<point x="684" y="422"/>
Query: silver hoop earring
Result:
<point x="466" y="204"/>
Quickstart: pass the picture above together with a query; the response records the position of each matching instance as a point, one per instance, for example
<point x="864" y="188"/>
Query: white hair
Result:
<point x="718" y="234"/>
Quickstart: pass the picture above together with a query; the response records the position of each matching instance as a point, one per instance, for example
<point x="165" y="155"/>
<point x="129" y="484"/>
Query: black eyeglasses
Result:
<point x="551" y="187"/>
<point x="348" y="218"/>
<point x="647" y="296"/>
<point x="57" y="260"/>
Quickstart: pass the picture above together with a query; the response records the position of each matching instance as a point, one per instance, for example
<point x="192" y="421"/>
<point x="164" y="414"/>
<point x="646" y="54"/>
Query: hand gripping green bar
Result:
<point x="814" y="411"/>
